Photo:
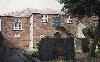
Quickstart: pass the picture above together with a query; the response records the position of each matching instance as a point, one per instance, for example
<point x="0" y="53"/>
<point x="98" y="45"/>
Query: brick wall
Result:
<point x="15" y="39"/>
<point x="40" y="28"/>
<point x="21" y="38"/>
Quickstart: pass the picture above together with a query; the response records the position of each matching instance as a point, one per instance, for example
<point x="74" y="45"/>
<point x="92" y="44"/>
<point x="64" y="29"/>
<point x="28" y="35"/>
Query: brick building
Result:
<point x="25" y="29"/>
<point x="15" y="31"/>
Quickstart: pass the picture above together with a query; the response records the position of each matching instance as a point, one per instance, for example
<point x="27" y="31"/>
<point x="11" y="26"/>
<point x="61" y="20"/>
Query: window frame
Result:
<point x="17" y="24"/>
<point x="68" y="19"/>
<point x="44" y="18"/>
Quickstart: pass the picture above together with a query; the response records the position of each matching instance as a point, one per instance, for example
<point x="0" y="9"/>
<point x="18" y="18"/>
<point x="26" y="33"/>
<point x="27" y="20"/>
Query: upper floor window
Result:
<point x="17" y="24"/>
<point x="57" y="22"/>
<point x="68" y="19"/>
<point x="45" y="18"/>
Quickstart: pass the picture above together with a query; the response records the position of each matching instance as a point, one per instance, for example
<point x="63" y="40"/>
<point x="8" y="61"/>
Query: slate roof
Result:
<point x="28" y="11"/>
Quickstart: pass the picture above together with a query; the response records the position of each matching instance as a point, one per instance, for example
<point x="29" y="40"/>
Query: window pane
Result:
<point x="16" y="24"/>
<point x="44" y="18"/>
<point x="19" y="24"/>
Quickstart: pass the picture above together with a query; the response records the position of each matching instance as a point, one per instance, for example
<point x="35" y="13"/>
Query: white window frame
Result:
<point x="69" y="20"/>
<point x="44" y="18"/>
<point x="0" y="24"/>
<point x="17" y="24"/>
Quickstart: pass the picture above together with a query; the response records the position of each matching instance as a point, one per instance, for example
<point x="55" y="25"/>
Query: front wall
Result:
<point x="40" y="28"/>
<point x="21" y="41"/>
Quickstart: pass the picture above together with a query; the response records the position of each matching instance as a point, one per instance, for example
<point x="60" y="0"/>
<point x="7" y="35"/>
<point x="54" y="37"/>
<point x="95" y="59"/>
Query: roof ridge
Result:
<point x="28" y="11"/>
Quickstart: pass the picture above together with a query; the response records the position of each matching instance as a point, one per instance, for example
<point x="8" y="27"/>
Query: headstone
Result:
<point x="85" y="45"/>
<point x="46" y="49"/>
<point x="69" y="48"/>
<point x="51" y="48"/>
<point x="57" y="35"/>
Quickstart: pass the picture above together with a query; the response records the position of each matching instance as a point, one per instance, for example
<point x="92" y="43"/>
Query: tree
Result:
<point x="81" y="8"/>
<point x="89" y="31"/>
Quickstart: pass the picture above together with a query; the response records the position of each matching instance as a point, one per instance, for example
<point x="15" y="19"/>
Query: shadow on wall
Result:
<point x="5" y="43"/>
<point x="2" y="47"/>
<point x="2" y="39"/>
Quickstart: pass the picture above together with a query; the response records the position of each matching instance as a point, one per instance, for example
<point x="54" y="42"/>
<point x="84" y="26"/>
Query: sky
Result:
<point x="7" y="6"/>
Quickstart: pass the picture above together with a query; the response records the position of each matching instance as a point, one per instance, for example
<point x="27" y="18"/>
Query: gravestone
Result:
<point x="69" y="48"/>
<point x="51" y="48"/>
<point x="57" y="35"/>
<point x="59" y="48"/>
<point x="85" y="45"/>
<point x="46" y="49"/>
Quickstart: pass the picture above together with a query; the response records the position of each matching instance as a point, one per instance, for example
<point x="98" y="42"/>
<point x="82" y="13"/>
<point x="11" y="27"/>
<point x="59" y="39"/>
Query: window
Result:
<point x="45" y="18"/>
<point x="0" y="24"/>
<point x="17" y="24"/>
<point x="69" y="20"/>
<point x="57" y="22"/>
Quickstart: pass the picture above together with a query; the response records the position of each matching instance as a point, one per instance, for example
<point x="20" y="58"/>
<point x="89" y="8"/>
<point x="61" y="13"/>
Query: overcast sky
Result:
<point x="14" y="5"/>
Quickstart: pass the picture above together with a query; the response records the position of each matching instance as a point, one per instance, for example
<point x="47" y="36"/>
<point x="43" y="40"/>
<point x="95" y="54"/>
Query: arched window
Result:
<point x="17" y="24"/>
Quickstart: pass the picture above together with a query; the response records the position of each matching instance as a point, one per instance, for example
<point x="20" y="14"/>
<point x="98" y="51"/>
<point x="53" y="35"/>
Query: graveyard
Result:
<point x="48" y="32"/>
<point x="57" y="49"/>
<point x="53" y="49"/>
<point x="63" y="50"/>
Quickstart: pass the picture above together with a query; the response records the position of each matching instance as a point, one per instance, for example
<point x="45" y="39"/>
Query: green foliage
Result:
<point x="81" y="8"/>
<point x="2" y="39"/>
<point x="89" y="32"/>
<point x="30" y="58"/>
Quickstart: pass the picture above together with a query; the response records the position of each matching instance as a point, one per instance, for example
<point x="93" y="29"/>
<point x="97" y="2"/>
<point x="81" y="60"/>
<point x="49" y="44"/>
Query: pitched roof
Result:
<point x="28" y="11"/>
<point x="51" y="11"/>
